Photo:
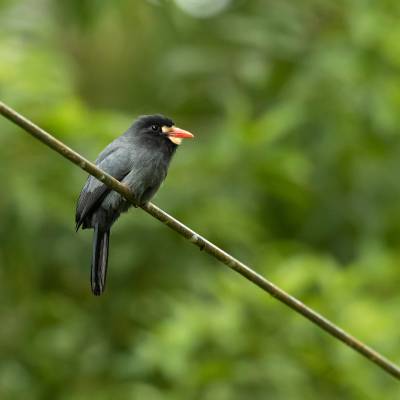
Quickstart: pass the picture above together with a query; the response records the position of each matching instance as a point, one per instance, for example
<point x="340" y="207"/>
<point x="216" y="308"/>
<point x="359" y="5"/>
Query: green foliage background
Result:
<point x="294" y="169"/>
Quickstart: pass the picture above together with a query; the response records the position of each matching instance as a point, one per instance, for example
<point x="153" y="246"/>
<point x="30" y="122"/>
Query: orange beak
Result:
<point x="176" y="132"/>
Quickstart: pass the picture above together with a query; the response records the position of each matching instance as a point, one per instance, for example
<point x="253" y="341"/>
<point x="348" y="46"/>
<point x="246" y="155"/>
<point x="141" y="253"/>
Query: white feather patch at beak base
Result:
<point x="176" y="140"/>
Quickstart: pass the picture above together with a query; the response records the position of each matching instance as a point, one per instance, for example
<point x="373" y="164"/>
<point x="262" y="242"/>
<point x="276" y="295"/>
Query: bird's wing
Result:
<point x="117" y="164"/>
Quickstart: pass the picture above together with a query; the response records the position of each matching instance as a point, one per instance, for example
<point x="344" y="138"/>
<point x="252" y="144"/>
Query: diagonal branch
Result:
<point x="203" y="243"/>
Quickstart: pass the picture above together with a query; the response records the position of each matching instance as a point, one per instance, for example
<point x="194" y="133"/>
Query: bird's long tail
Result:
<point x="101" y="240"/>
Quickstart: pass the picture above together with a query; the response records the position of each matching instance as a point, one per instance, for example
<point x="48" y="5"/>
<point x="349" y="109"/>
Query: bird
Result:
<point x="139" y="159"/>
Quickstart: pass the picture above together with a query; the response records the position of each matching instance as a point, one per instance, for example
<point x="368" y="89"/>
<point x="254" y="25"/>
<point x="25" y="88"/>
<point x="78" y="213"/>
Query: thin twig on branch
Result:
<point x="203" y="243"/>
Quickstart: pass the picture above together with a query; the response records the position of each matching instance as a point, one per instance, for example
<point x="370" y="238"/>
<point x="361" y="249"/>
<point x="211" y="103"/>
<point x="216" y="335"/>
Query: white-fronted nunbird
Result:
<point x="139" y="159"/>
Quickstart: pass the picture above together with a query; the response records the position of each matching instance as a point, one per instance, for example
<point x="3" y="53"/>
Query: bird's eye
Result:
<point x="154" y="128"/>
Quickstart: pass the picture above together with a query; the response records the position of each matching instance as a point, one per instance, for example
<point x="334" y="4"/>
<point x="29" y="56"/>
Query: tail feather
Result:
<point x="101" y="239"/>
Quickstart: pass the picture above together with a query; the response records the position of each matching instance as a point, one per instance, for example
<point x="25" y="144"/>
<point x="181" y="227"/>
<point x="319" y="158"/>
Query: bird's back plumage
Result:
<point x="116" y="163"/>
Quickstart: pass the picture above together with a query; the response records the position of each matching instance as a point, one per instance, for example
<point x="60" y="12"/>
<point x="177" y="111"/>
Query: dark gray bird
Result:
<point x="139" y="159"/>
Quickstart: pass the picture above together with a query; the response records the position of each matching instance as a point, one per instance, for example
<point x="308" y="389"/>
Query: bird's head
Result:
<point x="160" y="126"/>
